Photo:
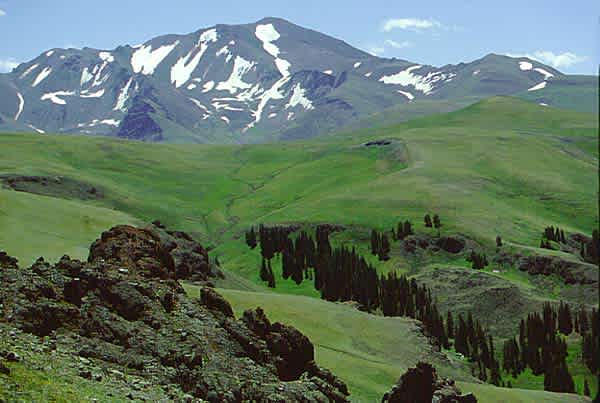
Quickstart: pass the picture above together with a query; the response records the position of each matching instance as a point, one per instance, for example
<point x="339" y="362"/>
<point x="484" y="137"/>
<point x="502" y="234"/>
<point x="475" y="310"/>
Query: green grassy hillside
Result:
<point x="501" y="166"/>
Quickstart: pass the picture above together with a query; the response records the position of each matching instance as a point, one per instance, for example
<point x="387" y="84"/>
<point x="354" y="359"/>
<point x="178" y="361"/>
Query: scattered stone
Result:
<point x="85" y="374"/>
<point x="11" y="356"/>
<point x="4" y="369"/>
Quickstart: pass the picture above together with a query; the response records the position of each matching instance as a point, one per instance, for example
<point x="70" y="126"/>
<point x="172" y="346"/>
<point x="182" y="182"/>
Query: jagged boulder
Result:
<point x="125" y="307"/>
<point x="422" y="385"/>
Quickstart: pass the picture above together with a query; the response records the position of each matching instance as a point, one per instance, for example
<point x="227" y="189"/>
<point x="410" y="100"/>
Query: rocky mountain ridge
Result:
<point x="238" y="83"/>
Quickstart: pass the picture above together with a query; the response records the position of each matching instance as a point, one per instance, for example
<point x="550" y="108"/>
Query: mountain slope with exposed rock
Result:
<point x="124" y="311"/>
<point x="267" y="80"/>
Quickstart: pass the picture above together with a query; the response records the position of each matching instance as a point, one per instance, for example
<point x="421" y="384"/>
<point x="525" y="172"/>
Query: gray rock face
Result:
<point x="125" y="307"/>
<point x="235" y="83"/>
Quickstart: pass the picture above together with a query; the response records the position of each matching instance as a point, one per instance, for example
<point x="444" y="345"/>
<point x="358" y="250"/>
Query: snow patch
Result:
<point x="272" y="115"/>
<point x="271" y="94"/>
<point x="298" y="98"/>
<point x="208" y="86"/>
<point x="267" y="34"/>
<point x="407" y="95"/>
<point x="476" y="72"/>
<point x="523" y="65"/>
<point x="225" y="51"/>
<point x="86" y="76"/>
<point x="538" y="86"/>
<point x="96" y="122"/>
<point x="123" y="96"/>
<point x="227" y="107"/>
<point x="543" y="104"/>
<point x="49" y="53"/>
<point x="420" y="83"/>
<point x="36" y="129"/>
<point x="21" y="105"/>
<point x="183" y="69"/>
<point x="545" y="73"/>
<point x="106" y="56"/>
<point x="29" y="70"/>
<point x="368" y="74"/>
<point x="86" y="94"/>
<point x="145" y="60"/>
<point x="192" y="86"/>
<point x="234" y="83"/>
<point x="283" y="66"/>
<point x="357" y="65"/>
<point x="55" y="97"/>
<point x="330" y="72"/>
<point x="42" y="76"/>
<point x="98" y="79"/>
<point x="225" y="119"/>
<point x="199" y="105"/>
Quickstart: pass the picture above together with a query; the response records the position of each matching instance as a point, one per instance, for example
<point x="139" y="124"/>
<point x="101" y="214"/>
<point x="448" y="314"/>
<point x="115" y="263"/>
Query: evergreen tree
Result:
<point x="384" y="250"/>
<point x="565" y="322"/>
<point x="408" y="228"/>
<point x="251" y="238"/>
<point x="427" y="220"/>
<point x="271" y="282"/>
<point x="374" y="242"/>
<point x="498" y="241"/>
<point x="437" y="222"/>
<point x="264" y="273"/>
<point x="449" y="325"/>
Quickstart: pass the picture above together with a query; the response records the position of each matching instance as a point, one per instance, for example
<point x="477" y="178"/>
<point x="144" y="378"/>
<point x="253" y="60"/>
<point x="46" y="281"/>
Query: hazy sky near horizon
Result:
<point x="562" y="34"/>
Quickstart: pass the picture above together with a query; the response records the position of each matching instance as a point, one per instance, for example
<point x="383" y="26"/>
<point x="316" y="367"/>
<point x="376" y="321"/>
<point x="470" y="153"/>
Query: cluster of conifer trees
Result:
<point x="342" y="274"/>
<point x="380" y="245"/>
<point x="478" y="260"/>
<point x="541" y="348"/>
<point x="590" y="251"/>
<point x="471" y="340"/>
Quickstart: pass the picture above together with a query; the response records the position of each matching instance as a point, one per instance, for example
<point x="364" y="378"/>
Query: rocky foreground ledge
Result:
<point x="124" y="311"/>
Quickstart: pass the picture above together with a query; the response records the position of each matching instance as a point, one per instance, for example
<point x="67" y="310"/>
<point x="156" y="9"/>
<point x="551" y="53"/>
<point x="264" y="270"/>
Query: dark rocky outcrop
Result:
<point x="124" y="307"/>
<point x="56" y="186"/>
<point x="451" y="244"/>
<point x="422" y="385"/>
<point x="572" y="272"/>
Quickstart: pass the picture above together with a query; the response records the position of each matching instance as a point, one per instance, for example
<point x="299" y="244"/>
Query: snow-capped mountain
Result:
<point x="228" y="83"/>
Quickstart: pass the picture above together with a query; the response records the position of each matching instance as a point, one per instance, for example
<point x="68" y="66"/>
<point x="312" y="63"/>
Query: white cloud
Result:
<point x="413" y="24"/>
<point x="561" y="60"/>
<point x="566" y="59"/>
<point x="6" y="65"/>
<point x="2" y="13"/>
<point x="399" y="45"/>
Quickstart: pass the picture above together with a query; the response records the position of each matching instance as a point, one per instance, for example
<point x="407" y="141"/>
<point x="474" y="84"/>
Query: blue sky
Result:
<point x="563" y="34"/>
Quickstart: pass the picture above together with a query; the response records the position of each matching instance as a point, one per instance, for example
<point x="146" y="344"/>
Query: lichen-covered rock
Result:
<point x="125" y="307"/>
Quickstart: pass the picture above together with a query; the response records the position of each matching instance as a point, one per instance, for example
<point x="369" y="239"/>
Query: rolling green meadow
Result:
<point x="502" y="166"/>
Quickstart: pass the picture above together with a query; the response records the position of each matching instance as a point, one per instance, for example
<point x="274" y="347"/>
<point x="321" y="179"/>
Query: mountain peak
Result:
<point x="238" y="83"/>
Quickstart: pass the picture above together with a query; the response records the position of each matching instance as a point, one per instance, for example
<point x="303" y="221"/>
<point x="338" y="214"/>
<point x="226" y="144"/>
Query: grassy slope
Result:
<point x="33" y="226"/>
<point x="368" y="352"/>
<point x="500" y="166"/>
